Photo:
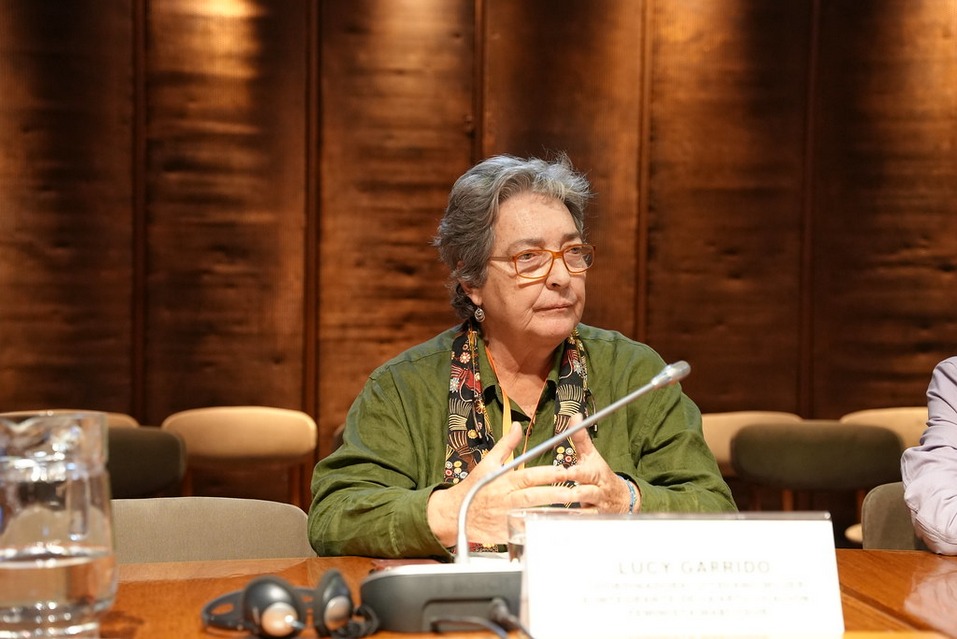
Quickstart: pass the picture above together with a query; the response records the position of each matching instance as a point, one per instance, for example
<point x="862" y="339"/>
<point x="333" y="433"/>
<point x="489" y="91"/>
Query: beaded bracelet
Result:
<point x="632" y="492"/>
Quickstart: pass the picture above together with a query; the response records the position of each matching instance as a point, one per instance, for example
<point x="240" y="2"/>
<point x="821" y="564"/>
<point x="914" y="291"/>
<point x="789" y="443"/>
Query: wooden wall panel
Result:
<point x="885" y="184"/>
<point x="226" y="140"/>
<point x="396" y="133"/>
<point x="65" y="193"/>
<point x="725" y="178"/>
<point x="196" y="198"/>
<point x="565" y="75"/>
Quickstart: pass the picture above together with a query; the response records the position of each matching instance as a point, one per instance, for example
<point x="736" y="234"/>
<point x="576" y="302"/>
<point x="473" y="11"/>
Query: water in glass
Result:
<point x="57" y="571"/>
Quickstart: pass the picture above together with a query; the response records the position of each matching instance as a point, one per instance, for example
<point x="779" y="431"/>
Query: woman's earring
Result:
<point x="479" y="314"/>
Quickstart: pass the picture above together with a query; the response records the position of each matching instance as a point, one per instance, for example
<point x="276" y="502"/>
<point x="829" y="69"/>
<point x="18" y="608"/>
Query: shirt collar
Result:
<point x="490" y="383"/>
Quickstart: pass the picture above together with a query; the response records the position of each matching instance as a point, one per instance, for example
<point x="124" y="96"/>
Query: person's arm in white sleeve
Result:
<point x="929" y="471"/>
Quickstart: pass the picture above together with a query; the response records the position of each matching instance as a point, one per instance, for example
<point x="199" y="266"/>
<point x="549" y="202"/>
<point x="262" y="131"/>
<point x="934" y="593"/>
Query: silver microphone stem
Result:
<point x="668" y="376"/>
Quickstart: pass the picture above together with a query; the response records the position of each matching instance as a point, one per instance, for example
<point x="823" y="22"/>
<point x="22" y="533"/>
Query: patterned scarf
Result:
<point x="469" y="438"/>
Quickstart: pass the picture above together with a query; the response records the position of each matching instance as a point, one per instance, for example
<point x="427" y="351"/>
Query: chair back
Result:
<point x="274" y="446"/>
<point x="121" y="420"/>
<point x="337" y="436"/>
<point x="886" y="520"/>
<point x="909" y="422"/>
<point x="244" y="432"/>
<point x="144" y="462"/>
<point x="719" y="429"/>
<point x="207" y="528"/>
<point x="816" y="455"/>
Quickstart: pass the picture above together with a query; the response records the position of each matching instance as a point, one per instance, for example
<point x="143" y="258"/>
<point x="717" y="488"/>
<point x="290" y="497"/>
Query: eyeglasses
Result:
<point x="535" y="264"/>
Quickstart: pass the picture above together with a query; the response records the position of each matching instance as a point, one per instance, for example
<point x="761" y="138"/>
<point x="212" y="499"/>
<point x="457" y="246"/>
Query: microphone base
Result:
<point x="414" y="598"/>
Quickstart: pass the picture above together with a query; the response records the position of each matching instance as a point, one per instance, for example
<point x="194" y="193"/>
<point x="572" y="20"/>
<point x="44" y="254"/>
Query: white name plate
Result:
<point x="755" y="574"/>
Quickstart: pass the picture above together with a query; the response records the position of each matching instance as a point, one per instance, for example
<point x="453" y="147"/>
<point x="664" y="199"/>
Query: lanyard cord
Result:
<point x="507" y="408"/>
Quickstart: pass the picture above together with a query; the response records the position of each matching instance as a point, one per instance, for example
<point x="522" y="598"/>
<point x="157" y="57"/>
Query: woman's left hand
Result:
<point x="598" y="485"/>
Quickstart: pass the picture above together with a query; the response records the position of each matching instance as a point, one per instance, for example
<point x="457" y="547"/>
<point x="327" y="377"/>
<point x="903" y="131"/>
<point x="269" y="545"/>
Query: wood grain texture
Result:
<point x="396" y="133"/>
<point x="232" y="202"/>
<point x="566" y="76"/>
<point x="885" y="188"/>
<point x="725" y="197"/>
<point x="225" y="204"/>
<point x="65" y="224"/>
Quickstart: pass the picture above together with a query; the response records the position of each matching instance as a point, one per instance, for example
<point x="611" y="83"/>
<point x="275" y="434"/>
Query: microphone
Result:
<point x="421" y="597"/>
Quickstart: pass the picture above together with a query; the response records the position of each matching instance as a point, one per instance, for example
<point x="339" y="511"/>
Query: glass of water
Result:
<point x="516" y="524"/>
<point x="57" y="570"/>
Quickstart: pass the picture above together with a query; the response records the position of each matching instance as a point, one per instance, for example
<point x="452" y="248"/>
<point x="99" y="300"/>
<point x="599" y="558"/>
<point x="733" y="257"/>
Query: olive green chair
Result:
<point x="144" y="462"/>
<point x="815" y="456"/>
<point x="720" y="428"/>
<point x="886" y="520"/>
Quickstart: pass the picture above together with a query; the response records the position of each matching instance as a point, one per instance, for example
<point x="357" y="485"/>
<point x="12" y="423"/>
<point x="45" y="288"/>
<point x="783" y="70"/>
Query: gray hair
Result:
<point x="465" y="234"/>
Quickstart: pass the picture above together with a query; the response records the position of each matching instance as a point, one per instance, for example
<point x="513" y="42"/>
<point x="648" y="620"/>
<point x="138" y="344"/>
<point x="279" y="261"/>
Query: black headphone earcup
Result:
<point x="271" y="607"/>
<point x="332" y="606"/>
<point x="267" y="607"/>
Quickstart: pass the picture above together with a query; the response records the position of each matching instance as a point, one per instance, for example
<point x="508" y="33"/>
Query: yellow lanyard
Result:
<point x="507" y="409"/>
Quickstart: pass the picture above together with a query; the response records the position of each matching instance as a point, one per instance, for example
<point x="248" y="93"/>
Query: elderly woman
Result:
<point x="436" y="418"/>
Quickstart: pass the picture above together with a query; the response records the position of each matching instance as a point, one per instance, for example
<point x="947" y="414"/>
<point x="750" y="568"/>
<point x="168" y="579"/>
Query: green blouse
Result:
<point x="370" y="495"/>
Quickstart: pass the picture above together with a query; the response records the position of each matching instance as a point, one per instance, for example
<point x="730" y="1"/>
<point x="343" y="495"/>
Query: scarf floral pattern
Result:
<point x="469" y="438"/>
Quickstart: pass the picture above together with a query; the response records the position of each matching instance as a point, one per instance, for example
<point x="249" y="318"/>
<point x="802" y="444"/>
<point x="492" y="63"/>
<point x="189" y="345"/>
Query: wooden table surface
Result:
<point x="898" y="590"/>
<point x="911" y="593"/>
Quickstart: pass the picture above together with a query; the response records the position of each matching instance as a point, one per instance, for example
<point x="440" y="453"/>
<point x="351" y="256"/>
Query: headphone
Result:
<point x="271" y="607"/>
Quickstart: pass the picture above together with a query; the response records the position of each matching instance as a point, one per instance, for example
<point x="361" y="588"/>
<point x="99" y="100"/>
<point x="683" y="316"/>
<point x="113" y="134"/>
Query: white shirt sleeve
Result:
<point x="929" y="471"/>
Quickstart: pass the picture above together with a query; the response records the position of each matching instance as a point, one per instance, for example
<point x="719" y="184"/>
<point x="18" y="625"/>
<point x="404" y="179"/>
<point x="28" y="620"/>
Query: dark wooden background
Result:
<point x="231" y="202"/>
